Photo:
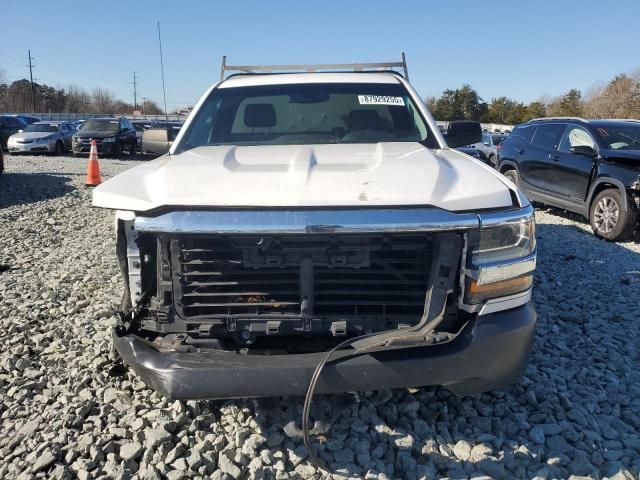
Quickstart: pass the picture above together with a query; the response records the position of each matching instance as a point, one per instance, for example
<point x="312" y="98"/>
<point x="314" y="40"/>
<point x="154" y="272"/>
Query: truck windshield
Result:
<point x="297" y="114"/>
<point x="620" y="137"/>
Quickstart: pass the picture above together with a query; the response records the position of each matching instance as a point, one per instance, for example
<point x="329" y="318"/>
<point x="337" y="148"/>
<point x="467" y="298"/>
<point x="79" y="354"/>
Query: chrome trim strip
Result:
<point x="520" y="215"/>
<point x="308" y="221"/>
<point x="505" y="270"/>
<point x="505" y="303"/>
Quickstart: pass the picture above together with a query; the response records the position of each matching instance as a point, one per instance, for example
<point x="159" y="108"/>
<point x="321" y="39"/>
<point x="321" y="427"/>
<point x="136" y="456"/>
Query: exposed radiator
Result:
<point x="309" y="275"/>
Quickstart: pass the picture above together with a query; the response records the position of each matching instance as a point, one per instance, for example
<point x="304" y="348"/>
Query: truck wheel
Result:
<point x="117" y="150"/>
<point x="492" y="160"/>
<point x="512" y="175"/>
<point x="609" y="218"/>
<point x="59" y="149"/>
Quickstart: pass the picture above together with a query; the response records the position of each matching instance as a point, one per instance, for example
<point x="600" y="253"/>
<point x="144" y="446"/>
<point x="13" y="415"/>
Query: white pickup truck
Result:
<point x="295" y="211"/>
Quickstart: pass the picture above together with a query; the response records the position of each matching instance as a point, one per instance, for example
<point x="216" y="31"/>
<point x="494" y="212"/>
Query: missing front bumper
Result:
<point x="489" y="353"/>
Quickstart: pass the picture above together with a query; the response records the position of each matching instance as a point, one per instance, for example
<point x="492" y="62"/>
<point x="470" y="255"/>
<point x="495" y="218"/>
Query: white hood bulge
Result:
<point x="366" y="175"/>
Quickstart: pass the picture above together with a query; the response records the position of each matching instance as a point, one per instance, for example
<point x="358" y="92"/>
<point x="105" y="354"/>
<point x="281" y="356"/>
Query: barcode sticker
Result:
<point x="380" y="100"/>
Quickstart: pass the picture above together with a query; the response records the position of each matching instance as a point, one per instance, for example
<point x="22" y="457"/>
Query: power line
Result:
<point x="33" y="94"/>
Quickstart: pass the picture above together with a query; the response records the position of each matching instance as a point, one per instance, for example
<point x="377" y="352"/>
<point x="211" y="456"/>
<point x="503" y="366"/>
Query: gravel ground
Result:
<point x="576" y="412"/>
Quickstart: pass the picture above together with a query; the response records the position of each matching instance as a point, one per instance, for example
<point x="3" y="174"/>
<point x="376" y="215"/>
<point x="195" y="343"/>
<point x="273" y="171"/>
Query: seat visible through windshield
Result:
<point x="307" y="114"/>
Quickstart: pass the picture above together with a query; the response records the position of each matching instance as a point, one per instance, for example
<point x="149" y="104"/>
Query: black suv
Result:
<point x="112" y="136"/>
<point x="8" y="126"/>
<point x="591" y="167"/>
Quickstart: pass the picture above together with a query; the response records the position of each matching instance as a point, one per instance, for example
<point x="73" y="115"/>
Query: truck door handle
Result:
<point x="520" y="151"/>
<point x="554" y="157"/>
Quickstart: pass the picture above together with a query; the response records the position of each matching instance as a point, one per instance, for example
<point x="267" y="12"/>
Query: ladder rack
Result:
<point x="356" y="67"/>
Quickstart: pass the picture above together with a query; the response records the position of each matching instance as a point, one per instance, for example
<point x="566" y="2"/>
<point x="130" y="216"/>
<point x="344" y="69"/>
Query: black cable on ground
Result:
<point x="309" y="397"/>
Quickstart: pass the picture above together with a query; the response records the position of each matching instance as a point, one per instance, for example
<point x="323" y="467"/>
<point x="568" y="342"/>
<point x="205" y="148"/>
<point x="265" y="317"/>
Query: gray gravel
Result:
<point x="575" y="414"/>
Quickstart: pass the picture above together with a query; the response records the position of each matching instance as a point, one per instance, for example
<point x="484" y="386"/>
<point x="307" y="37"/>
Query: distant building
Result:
<point x="185" y="111"/>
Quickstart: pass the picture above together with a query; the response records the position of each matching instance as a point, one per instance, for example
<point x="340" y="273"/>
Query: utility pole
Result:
<point x="33" y="93"/>
<point x="135" y="92"/>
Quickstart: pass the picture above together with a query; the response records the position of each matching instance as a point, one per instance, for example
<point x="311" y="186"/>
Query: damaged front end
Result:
<point x="225" y="304"/>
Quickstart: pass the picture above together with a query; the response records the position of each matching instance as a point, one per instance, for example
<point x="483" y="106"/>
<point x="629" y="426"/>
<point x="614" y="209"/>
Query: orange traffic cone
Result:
<point x="93" y="169"/>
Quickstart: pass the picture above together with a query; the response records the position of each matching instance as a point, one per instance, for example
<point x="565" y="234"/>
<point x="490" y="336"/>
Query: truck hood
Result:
<point x="632" y="155"/>
<point x="360" y="175"/>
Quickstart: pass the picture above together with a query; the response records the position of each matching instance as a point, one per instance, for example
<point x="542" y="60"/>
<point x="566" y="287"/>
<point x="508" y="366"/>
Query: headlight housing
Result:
<point x="515" y="238"/>
<point x="502" y="256"/>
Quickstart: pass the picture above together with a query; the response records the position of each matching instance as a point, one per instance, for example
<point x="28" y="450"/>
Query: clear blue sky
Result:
<point x="514" y="48"/>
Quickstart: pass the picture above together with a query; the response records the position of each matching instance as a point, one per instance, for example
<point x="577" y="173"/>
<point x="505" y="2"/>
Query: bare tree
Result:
<point x="103" y="100"/>
<point x="4" y="91"/>
<point x="594" y="102"/>
<point x="78" y="100"/>
<point x="620" y="98"/>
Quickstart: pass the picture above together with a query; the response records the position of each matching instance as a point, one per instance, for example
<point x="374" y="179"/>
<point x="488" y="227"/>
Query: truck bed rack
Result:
<point x="356" y="67"/>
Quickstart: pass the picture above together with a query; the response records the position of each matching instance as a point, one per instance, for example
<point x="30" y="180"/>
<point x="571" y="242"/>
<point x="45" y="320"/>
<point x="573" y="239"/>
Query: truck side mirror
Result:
<point x="463" y="132"/>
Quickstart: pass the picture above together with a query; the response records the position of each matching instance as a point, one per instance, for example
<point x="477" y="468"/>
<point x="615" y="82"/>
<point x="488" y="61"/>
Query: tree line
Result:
<point x="16" y="97"/>
<point x="618" y="98"/>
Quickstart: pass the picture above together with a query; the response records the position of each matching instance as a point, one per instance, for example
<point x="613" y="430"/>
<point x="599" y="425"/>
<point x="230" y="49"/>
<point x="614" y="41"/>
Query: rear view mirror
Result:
<point x="585" y="150"/>
<point x="463" y="132"/>
<point x="309" y="97"/>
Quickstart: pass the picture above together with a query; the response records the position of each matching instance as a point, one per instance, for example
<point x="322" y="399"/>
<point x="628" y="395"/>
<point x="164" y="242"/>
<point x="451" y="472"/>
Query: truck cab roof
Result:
<point x="256" y="79"/>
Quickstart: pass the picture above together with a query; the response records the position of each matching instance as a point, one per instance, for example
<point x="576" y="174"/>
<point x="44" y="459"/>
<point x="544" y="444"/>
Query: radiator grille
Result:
<point x="337" y="274"/>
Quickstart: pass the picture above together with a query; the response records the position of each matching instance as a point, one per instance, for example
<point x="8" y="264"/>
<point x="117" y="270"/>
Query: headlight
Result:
<point x="109" y="140"/>
<point x="506" y="241"/>
<point x="502" y="258"/>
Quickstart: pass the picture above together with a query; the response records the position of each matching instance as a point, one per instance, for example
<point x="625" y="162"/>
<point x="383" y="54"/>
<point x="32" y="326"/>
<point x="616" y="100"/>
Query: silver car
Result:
<point x="488" y="148"/>
<point x="45" y="137"/>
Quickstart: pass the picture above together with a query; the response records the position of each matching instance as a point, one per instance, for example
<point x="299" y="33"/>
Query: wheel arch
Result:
<point x="505" y="165"/>
<point x="605" y="184"/>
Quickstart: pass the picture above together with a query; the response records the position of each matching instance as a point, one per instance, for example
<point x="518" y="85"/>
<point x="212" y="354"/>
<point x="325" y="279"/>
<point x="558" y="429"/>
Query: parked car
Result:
<point x="158" y="140"/>
<point x="112" y="136"/>
<point x="8" y="126"/>
<point x="473" y="153"/>
<point x="298" y="211"/>
<point x="77" y="124"/>
<point x="42" y="137"/>
<point x="140" y="126"/>
<point x="590" y="167"/>
<point x="489" y="146"/>
<point x="27" y="119"/>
